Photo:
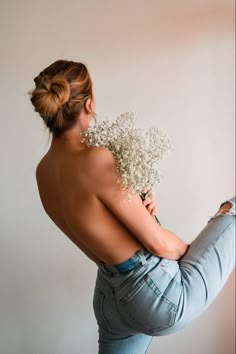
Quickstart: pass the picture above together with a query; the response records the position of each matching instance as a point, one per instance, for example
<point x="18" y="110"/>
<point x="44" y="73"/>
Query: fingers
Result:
<point x="150" y="202"/>
<point x="149" y="194"/>
<point x="151" y="208"/>
<point x="147" y="201"/>
<point x="149" y="198"/>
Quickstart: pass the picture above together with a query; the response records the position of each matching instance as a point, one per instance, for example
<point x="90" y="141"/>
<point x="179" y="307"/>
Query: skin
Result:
<point x="71" y="199"/>
<point x="68" y="201"/>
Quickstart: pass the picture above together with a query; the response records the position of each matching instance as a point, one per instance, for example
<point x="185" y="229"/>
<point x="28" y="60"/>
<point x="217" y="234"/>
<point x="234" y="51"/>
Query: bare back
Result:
<point x="78" y="212"/>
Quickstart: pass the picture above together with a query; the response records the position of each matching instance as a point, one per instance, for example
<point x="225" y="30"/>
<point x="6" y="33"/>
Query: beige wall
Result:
<point x="173" y="63"/>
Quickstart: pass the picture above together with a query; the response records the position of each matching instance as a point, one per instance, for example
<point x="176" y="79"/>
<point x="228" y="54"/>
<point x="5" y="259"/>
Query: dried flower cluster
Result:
<point x="136" y="151"/>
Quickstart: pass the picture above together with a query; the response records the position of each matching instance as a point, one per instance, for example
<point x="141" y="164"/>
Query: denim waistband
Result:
<point x="140" y="257"/>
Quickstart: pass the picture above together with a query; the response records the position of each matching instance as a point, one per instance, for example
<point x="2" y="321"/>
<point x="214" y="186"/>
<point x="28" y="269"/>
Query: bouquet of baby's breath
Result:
<point x="136" y="151"/>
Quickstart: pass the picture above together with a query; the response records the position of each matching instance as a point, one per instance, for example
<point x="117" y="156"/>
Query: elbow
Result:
<point x="165" y="251"/>
<point x="159" y="250"/>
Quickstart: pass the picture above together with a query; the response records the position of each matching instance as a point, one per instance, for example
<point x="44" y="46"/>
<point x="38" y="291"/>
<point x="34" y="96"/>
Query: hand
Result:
<point x="150" y="202"/>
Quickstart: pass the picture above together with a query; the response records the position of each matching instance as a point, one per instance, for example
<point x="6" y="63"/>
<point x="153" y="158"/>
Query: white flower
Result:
<point x="136" y="151"/>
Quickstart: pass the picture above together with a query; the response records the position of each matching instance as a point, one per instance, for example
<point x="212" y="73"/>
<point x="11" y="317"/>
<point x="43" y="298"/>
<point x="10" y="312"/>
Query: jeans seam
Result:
<point x="154" y="287"/>
<point x="148" y="345"/>
<point x="102" y="314"/>
<point x="121" y="315"/>
<point x="172" y="278"/>
<point x="207" y="252"/>
<point x="133" y="292"/>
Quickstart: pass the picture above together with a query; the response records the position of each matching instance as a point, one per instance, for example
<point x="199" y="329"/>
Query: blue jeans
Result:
<point x="148" y="296"/>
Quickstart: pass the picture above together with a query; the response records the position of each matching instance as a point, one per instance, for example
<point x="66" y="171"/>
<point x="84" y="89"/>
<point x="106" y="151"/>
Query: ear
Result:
<point x="87" y="106"/>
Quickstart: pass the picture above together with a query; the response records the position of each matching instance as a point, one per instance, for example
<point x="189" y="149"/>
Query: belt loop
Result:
<point x="143" y="258"/>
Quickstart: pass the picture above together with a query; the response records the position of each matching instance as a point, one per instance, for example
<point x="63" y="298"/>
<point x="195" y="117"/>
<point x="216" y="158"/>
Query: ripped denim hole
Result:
<point x="225" y="210"/>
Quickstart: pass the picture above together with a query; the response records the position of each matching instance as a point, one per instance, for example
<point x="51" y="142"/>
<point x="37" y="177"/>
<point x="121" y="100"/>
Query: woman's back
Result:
<point x="77" y="185"/>
<point x="62" y="178"/>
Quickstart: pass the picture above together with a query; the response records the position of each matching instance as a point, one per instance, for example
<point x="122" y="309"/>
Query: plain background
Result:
<point x="172" y="62"/>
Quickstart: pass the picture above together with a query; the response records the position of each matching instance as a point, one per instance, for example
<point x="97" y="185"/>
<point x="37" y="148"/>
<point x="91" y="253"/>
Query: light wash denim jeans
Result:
<point x="148" y="296"/>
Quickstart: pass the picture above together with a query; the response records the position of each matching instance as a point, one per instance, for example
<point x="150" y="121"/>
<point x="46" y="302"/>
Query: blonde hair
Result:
<point x="61" y="92"/>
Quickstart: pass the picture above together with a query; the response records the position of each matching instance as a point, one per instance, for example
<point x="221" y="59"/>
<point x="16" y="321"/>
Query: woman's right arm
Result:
<point x="133" y="214"/>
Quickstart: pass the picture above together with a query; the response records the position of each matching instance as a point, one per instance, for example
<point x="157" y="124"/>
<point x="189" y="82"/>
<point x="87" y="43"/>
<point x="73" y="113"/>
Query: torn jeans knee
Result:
<point x="231" y="210"/>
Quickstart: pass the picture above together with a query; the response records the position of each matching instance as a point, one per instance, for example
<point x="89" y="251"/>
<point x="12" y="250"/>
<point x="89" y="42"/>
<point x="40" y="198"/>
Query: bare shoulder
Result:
<point x="99" y="160"/>
<point x="99" y="155"/>
<point x="102" y="173"/>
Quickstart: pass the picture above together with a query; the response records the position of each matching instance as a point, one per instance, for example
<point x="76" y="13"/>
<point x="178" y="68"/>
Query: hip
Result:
<point x="144" y="291"/>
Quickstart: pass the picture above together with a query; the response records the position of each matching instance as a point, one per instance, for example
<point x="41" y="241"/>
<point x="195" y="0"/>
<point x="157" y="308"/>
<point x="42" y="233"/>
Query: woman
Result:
<point x="149" y="282"/>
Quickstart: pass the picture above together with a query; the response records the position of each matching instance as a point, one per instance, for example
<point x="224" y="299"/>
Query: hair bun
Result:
<point x="50" y="95"/>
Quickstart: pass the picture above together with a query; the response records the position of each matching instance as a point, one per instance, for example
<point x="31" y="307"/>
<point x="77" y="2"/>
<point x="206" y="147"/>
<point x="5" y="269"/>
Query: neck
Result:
<point x="72" y="142"/>
<point x="72" y="137"/>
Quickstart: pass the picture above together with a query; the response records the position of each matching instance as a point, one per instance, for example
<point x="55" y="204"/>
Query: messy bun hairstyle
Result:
<point x="61" y="91"/>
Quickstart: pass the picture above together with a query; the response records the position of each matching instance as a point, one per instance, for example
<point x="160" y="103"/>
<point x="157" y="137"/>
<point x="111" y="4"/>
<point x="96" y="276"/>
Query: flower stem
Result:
<point x="157" y="220"/>
<point x="143" y="196"/>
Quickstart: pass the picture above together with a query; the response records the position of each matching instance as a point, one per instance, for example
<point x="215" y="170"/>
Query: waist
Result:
<point x="140" y="257"/>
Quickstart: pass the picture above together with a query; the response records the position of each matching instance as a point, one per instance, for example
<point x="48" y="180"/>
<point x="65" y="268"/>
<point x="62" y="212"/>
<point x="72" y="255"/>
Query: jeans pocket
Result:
<point x="147" y="307"/>
<point x="133" y="291"/>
